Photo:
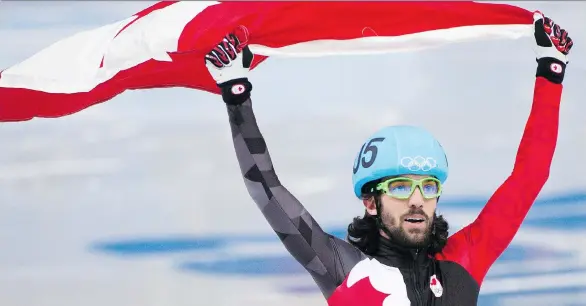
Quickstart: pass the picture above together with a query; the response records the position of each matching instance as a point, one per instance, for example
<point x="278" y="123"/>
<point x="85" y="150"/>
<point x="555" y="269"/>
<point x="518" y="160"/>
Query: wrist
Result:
<point x="552" y="69"/>
<point x="236" y="91"/>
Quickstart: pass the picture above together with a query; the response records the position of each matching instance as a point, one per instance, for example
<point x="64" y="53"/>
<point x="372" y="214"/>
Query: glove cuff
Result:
<point x="552" y="69"/>
<point x="236" y="91"/>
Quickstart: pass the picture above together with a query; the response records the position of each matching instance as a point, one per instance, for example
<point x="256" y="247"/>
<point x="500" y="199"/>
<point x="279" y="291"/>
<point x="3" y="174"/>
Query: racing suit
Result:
<point x="394" y="275"/>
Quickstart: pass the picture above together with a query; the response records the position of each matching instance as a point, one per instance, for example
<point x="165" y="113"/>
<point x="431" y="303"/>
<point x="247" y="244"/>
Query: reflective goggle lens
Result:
<point x="403" y="187"/>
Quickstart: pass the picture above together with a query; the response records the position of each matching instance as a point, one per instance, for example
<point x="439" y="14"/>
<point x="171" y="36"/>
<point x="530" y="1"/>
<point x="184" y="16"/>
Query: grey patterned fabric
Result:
<point x="327" y="258"/>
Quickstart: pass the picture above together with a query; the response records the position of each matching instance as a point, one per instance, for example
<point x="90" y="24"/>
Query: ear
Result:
<point x="370" y="206"/>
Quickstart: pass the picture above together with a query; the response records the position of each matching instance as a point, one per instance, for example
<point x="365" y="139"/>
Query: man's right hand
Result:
<point x="228" y="63"/>
<point x="552" y="47"/>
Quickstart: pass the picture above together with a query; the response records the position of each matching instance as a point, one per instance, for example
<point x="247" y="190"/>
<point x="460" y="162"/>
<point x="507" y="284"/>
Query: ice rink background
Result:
<point x="139" y="201"/>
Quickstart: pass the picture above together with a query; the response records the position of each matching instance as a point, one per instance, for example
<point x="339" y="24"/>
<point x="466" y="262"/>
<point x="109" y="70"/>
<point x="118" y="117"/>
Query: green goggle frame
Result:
<point x="384" y="187"/>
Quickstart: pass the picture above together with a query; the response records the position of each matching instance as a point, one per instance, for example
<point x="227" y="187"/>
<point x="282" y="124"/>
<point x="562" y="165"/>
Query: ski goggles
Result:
<point x="403" y="187"/>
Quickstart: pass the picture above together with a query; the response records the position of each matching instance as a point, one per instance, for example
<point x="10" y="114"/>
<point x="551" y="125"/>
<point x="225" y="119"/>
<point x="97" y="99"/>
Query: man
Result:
<point x="399" y="253"/>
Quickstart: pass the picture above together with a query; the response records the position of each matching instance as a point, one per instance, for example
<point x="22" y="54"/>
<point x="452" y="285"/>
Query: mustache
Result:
<point x="415" y="211"/>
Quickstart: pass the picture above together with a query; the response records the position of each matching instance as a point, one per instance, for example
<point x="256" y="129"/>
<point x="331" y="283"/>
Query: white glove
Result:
<point x="551" y="40"/>
<point x="229" y="60"/>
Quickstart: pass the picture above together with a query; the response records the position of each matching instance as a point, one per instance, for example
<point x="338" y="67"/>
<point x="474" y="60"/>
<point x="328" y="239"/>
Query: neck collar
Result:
<point x="394" y="254"/>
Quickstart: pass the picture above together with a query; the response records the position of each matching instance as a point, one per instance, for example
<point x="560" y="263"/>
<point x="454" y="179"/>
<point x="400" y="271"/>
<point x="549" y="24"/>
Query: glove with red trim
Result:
<point x="229" y="63"/>
<point x="552" y="47"/>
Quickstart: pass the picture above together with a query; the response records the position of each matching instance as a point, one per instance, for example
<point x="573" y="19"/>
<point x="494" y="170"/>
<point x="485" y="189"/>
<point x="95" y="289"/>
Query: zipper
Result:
<point x="415" y="276"/>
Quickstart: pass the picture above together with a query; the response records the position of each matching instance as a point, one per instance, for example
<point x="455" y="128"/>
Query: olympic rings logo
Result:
<point x="419" y="163"/>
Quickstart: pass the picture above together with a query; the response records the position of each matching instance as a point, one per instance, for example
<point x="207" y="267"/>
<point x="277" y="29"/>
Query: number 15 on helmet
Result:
<point x="398" y="150"/>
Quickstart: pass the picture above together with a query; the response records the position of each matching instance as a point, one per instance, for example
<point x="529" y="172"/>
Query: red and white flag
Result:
<point x="164" y="45"/>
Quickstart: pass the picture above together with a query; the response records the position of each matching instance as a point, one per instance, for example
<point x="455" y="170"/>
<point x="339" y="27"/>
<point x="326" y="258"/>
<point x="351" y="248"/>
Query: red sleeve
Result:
<point x="477" y="246"/>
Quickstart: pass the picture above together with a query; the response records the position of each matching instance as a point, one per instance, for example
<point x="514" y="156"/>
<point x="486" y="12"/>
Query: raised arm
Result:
<point x="477" y="246"/>
<point x="323" y="256"/>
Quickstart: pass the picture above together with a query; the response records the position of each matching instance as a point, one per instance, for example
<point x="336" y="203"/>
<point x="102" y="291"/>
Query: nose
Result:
<point x="416" y="199"/>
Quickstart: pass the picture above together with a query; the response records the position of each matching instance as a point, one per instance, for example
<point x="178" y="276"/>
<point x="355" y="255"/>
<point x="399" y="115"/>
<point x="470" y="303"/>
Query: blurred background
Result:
<point x="139" y="201"/>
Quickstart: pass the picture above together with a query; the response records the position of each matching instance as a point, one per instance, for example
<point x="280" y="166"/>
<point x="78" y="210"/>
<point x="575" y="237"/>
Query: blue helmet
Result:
<point x="398" y="150"/>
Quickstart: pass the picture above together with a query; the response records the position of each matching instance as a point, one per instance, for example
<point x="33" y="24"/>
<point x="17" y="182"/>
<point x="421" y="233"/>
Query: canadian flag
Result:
<point x="164" y="45"/>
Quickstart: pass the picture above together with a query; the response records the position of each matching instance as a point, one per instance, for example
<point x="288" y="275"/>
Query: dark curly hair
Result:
<point x="364" y="232"/>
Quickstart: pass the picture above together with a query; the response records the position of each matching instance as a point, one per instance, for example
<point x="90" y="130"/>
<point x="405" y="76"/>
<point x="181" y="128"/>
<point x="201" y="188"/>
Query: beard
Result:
<point x="413" y="238"/>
